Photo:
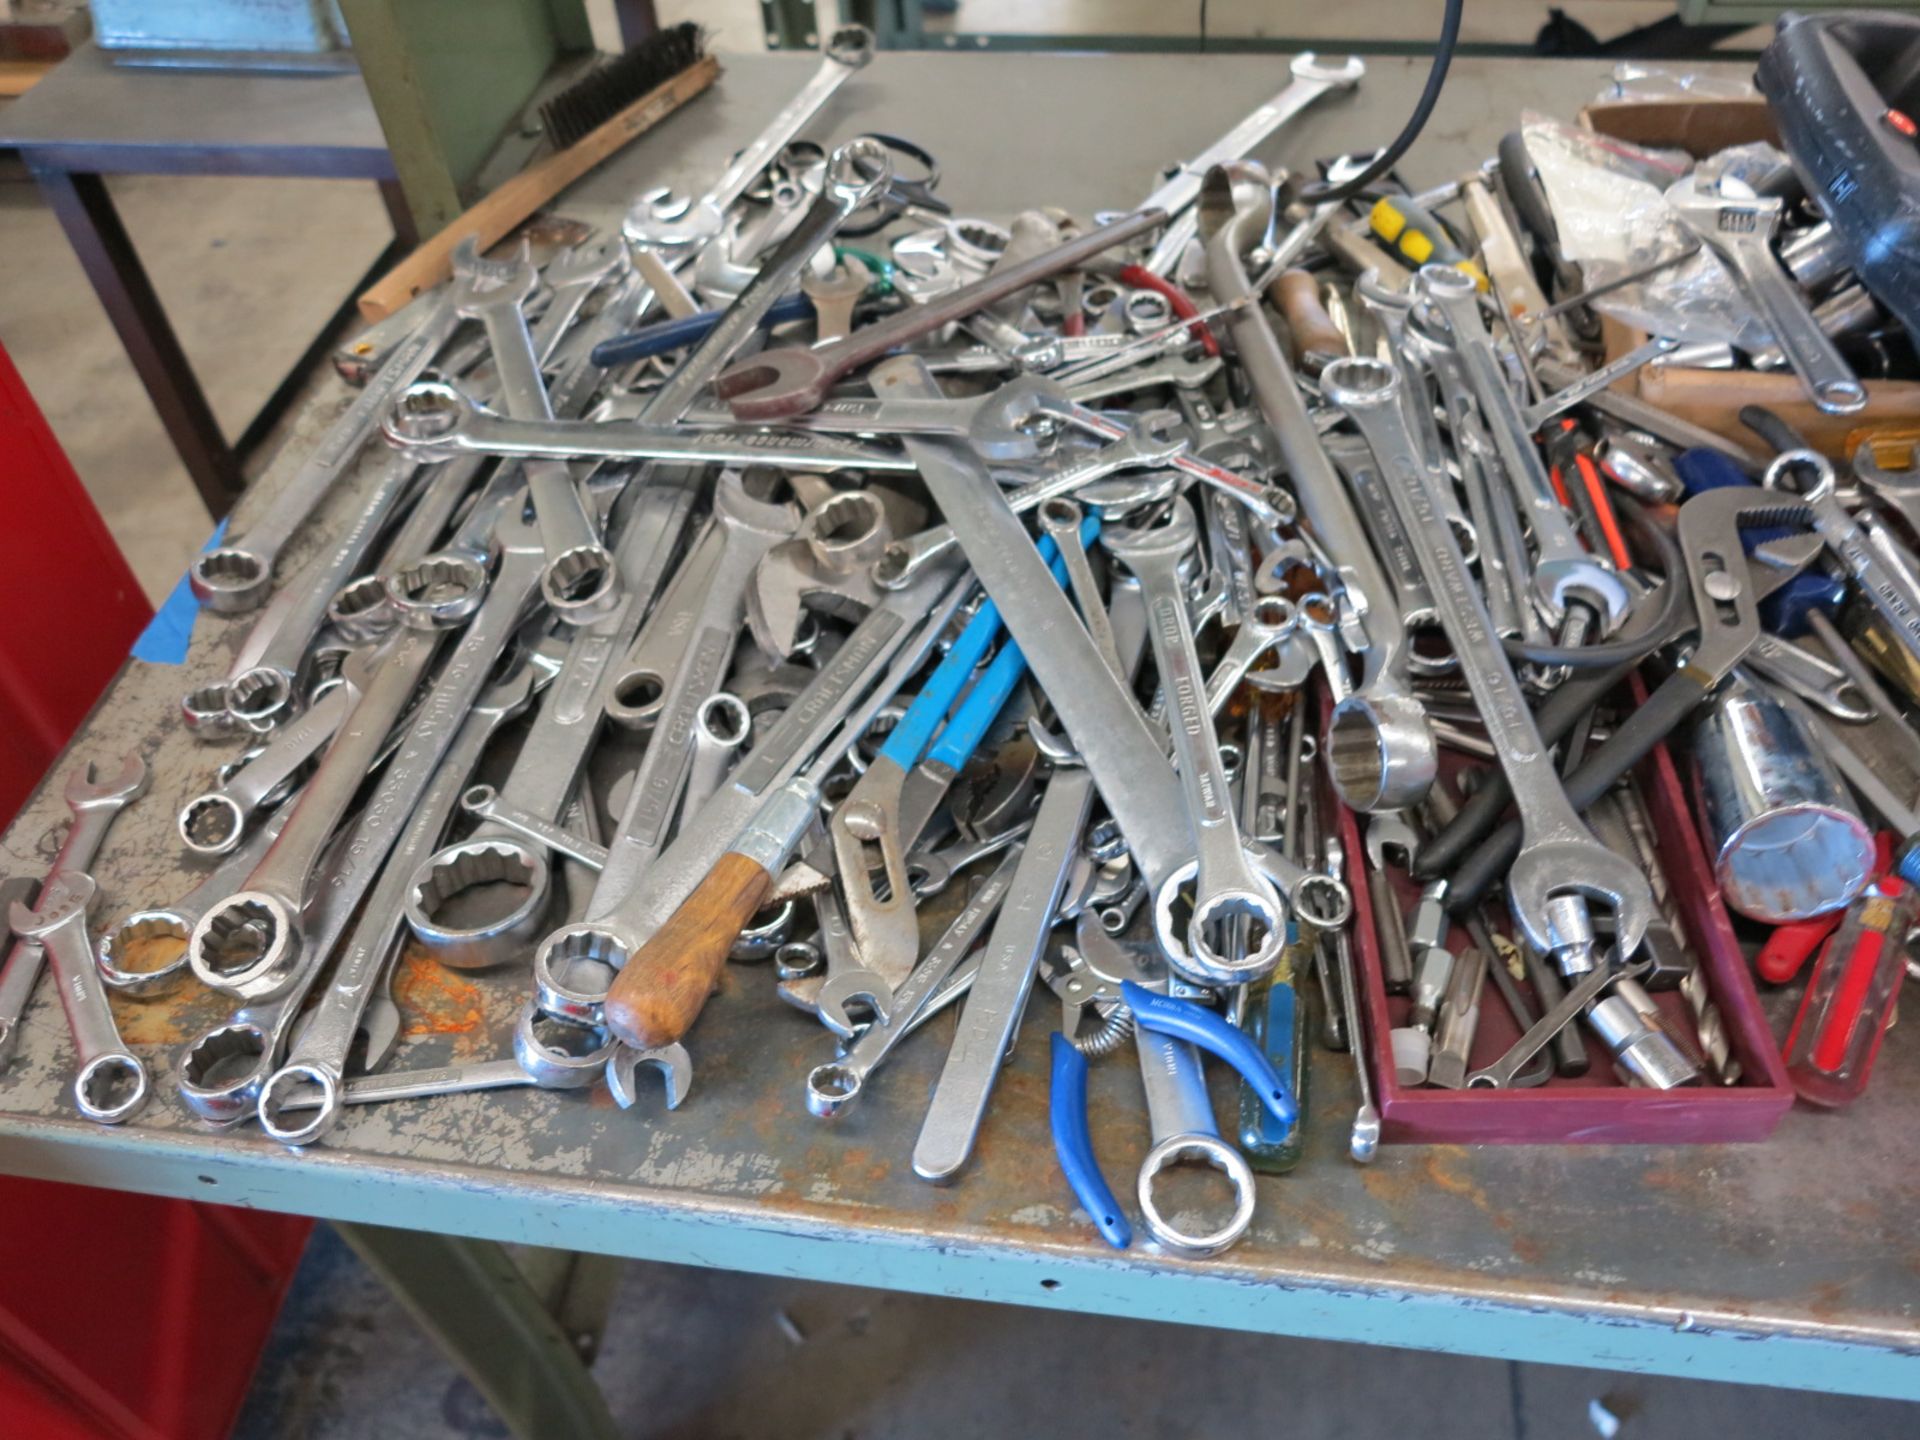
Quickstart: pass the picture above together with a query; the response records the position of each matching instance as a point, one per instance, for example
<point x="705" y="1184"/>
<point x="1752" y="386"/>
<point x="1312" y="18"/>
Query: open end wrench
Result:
<point x="1559" y="856"/>
<point x="112" y="1082"/>
<point x="94" y="800"/>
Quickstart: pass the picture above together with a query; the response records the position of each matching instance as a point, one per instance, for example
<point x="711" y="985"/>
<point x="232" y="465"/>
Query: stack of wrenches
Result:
<point x="986" y="625"/>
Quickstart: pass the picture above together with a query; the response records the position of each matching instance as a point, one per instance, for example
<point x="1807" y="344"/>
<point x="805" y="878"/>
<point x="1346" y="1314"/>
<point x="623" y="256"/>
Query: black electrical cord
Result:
<point x="1667" y="622"/>
<point x="1321" y="193"/>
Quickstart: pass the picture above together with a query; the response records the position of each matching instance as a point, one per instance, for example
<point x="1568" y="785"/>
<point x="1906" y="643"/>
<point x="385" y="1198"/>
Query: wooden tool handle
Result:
<point x="495" y="217"/>
<point x="658" y="993"/>
<point x="1316" y="339"/>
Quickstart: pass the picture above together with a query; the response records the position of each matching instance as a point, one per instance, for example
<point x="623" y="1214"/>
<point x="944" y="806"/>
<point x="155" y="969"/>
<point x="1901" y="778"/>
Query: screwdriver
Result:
<point x="1415" y="236"/>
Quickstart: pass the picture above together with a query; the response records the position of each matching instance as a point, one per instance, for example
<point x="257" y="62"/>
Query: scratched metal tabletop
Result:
<point x="1796" y="1262"/>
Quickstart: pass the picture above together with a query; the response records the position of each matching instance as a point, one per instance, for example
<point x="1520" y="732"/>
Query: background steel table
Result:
<point x="90" y="118"/>
<point x="1795" y="1262"/>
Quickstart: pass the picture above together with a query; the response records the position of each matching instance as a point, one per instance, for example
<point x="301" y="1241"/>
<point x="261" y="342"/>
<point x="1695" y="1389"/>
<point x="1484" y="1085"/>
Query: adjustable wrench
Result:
<point x="1311" y="80"/>
<point x="791" y="380"/>
<point x="1560" y="861"/>
<point x="1563" y="570"/>
<point x="1740" y="232"/>
<point x="580" y="579"/>
<point x="1885" y="574"/>
<point x="111" y="1083"/>
<point x="319" y="1055"/>
<point x="657" y="222"/>
<point x="94" y="803"/>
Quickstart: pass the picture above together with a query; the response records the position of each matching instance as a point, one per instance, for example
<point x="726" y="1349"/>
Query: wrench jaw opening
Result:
<point x="497" y="864"/>
<point x="1344" y="76"/>
<point x="773" y="385"/>
<point x="204" y="712"/>
<point x="1381" y="753"/>
<point x="850" y="1000"/>
<point x="230" y="579"/>
<point x="1208" y="1150"/>
<point x="672" y="1061"/>
<point x="429" y="420"/>
<point x="1545" y="873"/>
<point x="581" y="584"/>
<point x="212" y="824"/>
<point x="437" y="591"/>
<point x="247" y="946"/>
<point x="1593" y="583"/>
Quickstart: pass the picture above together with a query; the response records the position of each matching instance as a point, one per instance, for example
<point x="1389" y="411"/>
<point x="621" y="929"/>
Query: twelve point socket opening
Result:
<point x="304" y="1095"/>
<point x="111" y="1087"/>
<point x="1357" y="756"/>
<point x="154" y="941"/>
<point x="426" y="410"/>
<point x="259" y="695"/>
<point x="224" y="1060"/>
<point x="211" y="824"/>
<point x="228" y="568"/>
<point x="438" y="580"/>
<point x="478" y="889"/>
<point x="579" y="576"/>
<point x="240" y="936"/>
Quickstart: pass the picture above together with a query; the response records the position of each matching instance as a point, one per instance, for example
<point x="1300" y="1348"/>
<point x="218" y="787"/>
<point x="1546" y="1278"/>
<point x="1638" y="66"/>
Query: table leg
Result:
<point x="85" y="211"/>
<point x="400" y="214"/>
<point x="478" y="1306"/>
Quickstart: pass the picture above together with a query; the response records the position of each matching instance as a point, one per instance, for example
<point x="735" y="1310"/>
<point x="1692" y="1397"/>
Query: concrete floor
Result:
<point x="249" y="269"/>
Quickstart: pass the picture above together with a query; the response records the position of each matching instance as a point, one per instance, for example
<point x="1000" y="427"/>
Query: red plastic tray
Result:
<point x="1594" y="1109"/>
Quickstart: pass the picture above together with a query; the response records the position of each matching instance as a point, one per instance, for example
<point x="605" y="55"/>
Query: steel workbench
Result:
<point x="1796" y="1262"/>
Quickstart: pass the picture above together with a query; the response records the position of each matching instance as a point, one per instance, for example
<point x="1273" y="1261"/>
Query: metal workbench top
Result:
<point x="90" y="114"/>
<point x="1795" y="1262"/>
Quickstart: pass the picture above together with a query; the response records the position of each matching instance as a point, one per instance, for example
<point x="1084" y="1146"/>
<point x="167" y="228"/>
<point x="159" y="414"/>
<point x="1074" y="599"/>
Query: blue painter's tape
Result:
<point x="164" y="641"/>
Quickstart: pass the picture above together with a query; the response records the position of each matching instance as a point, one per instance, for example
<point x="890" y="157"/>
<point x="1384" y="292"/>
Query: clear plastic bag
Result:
<point x="1609" y="202"/>
<point x="1636" y="80"/>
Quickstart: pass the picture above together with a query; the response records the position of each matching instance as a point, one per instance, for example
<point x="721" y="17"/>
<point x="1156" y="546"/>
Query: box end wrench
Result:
<point x="112" y="1083"/>
<point x="95" y="800"/>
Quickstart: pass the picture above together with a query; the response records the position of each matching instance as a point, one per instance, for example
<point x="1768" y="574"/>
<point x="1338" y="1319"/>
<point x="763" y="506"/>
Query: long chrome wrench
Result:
<point x="1226" y="887"/>
<point x="1560" y="860"/>
<point x="652" y="223"/>
<point x="551" y="757"/>
<point x="580" y="580"/>
<point x="1564" y="570"/>
<point x="94" y="803"/>
<point x="1311" y="80"/>
<point x="237" y="576"/>
<point x="319" y="1055"/>
<point x="1381" y="751"/>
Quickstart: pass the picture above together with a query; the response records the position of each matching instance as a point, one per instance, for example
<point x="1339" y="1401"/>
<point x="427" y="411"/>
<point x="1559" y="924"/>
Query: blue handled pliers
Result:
<point x="877" y="824"/>
<point x="1167" y="1015"/>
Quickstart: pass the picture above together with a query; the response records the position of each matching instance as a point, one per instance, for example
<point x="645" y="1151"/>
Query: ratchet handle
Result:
<point x="661" y="990"/>
<point x="1678" y="697"/>
<point x="1197" y="1025"/>
<point x="1073" y="1145"/>
<point x="666" y="336"/>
